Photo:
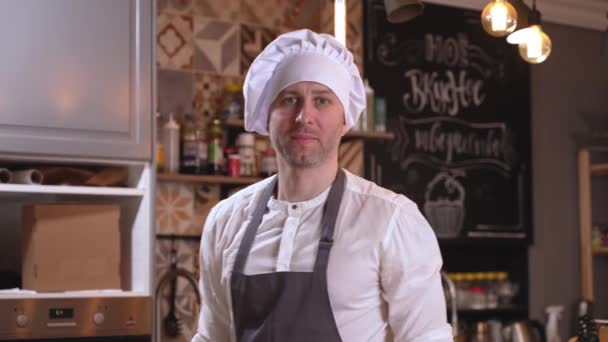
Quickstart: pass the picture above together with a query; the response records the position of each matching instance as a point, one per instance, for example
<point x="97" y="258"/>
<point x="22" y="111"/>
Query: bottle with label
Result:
<point x="189" y="144"/>
<point x="202" y="148"/>
<point x="269" y="163"/>
<point x="215" y="152"/>
<point x="477" y="292"/>
<point x="491" y="294"/>
<point x="233" y="162"/>
<point x="159" y="149"/>
<point x="246" y="146"/>
<point x="171" y="145"/>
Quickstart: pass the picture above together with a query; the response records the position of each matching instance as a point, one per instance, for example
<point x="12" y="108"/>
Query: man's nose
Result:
<point x="306" y="112"/>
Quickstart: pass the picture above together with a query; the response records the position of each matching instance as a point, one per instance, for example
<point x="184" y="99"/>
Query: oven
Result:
<point x="76" y="319"/>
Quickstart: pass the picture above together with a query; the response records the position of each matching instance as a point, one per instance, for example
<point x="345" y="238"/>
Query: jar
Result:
<point x="246" y="147"/>
<point x="269" y="163"/>
<point x="234" y="165"/>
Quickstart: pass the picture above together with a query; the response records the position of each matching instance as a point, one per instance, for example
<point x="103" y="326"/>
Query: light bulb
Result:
<point x="499" y="18"/>
<point x="519" y="36"/>
<point x="536" y="47"/>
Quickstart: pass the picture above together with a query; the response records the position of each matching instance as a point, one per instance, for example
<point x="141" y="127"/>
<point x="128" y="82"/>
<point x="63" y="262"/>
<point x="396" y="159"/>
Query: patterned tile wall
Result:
<point x="186" y="304"/>
<point x="218" y="39"/>
<point x="174" y="41"/>
<point x="216" y="45"/>
<point x="181" y="208"/>
<point x="203" y="46"/>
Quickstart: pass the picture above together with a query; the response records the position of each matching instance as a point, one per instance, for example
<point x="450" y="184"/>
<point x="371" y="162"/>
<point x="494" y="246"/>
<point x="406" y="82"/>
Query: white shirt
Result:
<point x="383" y="272"/>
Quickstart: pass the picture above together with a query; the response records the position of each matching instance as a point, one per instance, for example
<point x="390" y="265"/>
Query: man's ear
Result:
<point x="268" y="120"/>
<point x="344" y="129"/>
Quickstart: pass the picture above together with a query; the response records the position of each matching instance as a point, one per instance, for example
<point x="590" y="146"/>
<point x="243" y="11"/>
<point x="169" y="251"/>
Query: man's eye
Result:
<point x="323" y="100"/>
<point x="291" y="100"/>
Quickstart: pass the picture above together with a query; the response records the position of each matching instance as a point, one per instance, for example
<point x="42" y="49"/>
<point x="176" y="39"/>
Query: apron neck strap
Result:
<point x="330" y="214"/>
<point x="328" y="222"/>
<point x="252" y="227"/>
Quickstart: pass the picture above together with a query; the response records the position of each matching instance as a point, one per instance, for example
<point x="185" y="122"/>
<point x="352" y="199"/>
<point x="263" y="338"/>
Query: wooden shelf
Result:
<point x="178" y="237"/>
<point x="599" y="169"/>
<point x="213" y="179"/>
<point x="477" y="242"/>
<point x="22" y="294"/>
<point x="26" y="189"/>
<point x="485" y="314"/>
<point x="370" y="135"/>
<point x="600" y="250"/>
<point x="236" y="123"/>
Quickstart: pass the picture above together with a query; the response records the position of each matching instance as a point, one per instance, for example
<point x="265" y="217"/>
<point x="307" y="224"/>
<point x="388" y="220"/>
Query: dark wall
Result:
<point x="573" y="80"/>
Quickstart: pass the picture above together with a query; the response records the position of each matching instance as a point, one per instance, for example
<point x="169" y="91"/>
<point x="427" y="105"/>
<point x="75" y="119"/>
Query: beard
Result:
<point x="305" y="156"/>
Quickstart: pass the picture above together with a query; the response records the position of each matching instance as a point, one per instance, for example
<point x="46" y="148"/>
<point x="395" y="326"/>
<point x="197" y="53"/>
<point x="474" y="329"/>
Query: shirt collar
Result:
<point x="276" y="204"/>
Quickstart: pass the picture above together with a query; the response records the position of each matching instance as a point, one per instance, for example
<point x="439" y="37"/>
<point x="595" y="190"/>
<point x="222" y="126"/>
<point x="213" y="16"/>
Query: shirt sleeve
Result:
<point x="214" y="318"/>
<point x="410" y="278"/>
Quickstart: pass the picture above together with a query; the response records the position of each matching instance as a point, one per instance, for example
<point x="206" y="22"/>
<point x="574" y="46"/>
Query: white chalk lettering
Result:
<point x="444" y="94"/>
<point x="455" y="144"/>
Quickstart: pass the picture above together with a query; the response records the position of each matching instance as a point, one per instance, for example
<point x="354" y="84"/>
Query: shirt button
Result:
<point x="294" y="206"/>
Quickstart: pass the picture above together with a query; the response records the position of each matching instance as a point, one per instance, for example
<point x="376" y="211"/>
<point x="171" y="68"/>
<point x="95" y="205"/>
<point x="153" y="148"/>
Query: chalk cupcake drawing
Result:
<point x="444" y="204"/>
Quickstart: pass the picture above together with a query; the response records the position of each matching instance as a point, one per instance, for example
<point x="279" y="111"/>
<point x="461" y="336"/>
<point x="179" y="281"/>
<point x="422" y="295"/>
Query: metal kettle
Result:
<point x="524" y="331"/>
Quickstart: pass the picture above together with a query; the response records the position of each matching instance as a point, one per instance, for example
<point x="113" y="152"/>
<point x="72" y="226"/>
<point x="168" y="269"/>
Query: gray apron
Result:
<point x="286" y="306"/>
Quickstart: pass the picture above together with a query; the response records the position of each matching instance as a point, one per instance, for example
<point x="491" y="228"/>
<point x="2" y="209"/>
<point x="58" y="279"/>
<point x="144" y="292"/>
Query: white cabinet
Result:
<point x="76" y="90"/>
<point x="135" y="203"/>
<point x="136" y="252"/>
<point x="76" y="77"/>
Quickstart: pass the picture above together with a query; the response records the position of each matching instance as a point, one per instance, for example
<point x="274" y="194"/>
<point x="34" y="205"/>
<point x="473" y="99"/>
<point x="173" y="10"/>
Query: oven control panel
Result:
<point x="30" y="318"/>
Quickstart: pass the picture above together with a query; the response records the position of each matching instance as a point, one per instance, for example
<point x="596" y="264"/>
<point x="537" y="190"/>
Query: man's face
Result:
<point x="306" y="123"/>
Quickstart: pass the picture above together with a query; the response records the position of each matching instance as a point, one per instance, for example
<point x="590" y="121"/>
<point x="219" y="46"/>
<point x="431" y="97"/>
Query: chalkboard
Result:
<point x="458" y="101"/>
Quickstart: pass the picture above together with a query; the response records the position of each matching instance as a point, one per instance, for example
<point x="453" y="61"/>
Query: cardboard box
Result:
<point x="70" y="247"/>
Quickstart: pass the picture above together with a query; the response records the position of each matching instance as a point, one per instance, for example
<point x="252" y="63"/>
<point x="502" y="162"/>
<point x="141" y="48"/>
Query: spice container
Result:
<point x="269" y="163"/>
<point x="234" y="165"/>
<point x="246" y="147"/>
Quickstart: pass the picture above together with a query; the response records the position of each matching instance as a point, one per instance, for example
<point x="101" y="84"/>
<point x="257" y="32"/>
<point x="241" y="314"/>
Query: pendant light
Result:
<point x="499" y="18"/>
<point x="399" y="11"/>
<point x="534" y="44"/>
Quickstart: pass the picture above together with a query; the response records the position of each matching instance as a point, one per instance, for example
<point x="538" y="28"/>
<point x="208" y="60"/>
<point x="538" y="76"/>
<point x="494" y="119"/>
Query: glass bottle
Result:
<point x="467" y="283"/>
<point x="491" y="291"/>
<point x="246" y="146"/>
<point x="202" y="148"/>
<point x="268" y="163"/>
<point x="159" y="149"/>
<point x="189" y="144"/>
<point x="477" y="292"/>
<point x="215" y="154"/>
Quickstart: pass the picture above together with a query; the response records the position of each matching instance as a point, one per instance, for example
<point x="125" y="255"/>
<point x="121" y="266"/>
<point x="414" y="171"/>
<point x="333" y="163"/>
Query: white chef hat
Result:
<point x="298" y="56"/>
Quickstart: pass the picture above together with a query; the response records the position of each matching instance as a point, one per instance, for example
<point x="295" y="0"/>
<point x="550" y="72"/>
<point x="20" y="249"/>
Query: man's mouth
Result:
<point x="303" y="138"/>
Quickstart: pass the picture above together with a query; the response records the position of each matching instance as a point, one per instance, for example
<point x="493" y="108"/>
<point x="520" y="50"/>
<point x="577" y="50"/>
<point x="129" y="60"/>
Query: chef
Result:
<point x="315" y="253"/>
